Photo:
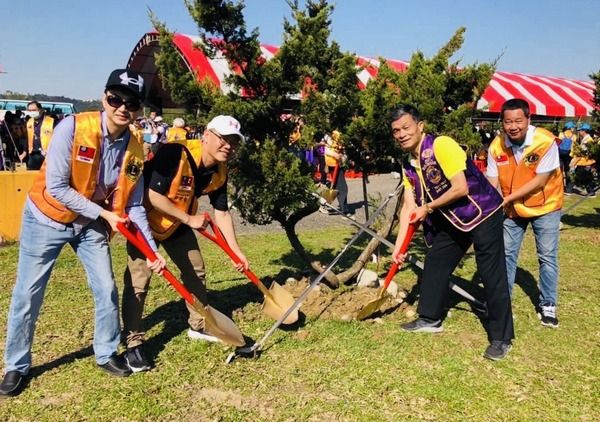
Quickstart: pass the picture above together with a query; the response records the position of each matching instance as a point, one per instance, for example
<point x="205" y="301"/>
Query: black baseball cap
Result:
<point x="129" y="80"/>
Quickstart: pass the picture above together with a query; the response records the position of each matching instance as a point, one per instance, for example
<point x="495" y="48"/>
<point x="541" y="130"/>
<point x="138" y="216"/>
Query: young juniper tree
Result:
<point x="276" y="185"/>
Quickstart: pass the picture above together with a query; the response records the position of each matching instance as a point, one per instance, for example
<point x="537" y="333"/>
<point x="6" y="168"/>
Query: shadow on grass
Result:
<point x="590" y="220"/>
<point x="525" y="280"/>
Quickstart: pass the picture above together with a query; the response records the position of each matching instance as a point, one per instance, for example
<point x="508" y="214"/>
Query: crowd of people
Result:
<point x="102" y="169"/>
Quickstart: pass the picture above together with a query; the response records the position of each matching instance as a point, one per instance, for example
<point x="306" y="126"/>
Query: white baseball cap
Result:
<point x="225" y="125"/>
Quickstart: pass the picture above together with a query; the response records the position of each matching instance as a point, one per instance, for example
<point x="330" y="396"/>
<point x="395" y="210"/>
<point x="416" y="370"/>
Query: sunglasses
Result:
<point x="233" y="141"/>
<point x="116" y="102"/>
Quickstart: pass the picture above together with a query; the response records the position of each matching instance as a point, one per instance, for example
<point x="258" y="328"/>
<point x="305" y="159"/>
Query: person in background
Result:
<point x="583" y="163"/>
<point x="335" y="160"/>
<point x="39" y="131"/>
<point x="524" y="164"/>
<point x="567" y="138"/>
<point x="175" y="178"/>
<point x="459" y="208"/>
<point x="177" y="132"/>
<point x="91" y="178"/>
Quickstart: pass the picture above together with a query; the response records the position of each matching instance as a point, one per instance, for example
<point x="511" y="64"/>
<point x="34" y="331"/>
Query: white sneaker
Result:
<point x="202" y="336"/>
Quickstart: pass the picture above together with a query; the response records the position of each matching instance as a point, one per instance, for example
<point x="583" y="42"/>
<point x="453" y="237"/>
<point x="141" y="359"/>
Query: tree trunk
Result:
<point x="289" y="225"/>
<point x="389" y="224"/>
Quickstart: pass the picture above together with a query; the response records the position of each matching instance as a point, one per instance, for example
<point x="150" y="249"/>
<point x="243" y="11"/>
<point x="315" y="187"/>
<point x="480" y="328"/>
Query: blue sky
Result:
<point x="68" y="47"/>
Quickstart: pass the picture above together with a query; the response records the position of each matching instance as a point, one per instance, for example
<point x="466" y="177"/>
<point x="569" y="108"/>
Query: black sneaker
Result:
<point x="548" y="316"/>
<point x="117" y="366"/>
<point x="136" y="359"/>
<point x="497" y="350"/>
<point x="423" y="325"/>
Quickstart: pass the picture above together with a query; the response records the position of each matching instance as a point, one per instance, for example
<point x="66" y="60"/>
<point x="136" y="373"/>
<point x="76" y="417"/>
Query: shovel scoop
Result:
<point x="277" y="300"/>
<point x="374" y="305"/>
<point x="329" y="194"/>
<point x="215" y="323"/>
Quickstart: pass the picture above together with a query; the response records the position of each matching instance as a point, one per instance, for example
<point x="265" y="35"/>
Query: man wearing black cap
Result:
<point x="90" y="180"/>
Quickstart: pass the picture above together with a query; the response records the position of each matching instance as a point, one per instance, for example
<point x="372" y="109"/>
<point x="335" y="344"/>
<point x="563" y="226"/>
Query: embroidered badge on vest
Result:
<point x="531" y="159"/>
<point x="85" y="154"/>
<point x="433" y="175"/>
<point x="187" y="182"/>
<point x="427" y="153"/>
<point x="133" y="170"/>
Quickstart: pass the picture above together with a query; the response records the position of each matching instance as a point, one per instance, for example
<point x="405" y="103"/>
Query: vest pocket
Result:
<point x="535" y="199"/>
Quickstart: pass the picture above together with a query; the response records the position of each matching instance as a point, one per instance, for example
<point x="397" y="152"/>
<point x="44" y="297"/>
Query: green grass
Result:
<point x="327" y="370"/>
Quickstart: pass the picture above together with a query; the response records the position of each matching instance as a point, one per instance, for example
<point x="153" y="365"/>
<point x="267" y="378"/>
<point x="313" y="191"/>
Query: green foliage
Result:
<point x="445" y="94"/>
<point x="596" y="101"/>
<point x="278" y="179"/>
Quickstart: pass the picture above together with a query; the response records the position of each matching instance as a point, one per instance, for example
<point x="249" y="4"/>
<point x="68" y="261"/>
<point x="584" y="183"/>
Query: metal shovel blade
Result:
<point x="277" y="301"/>
<point x="219" y="325"/>
<point x="327" y="194"/>
<point x="372" y="307"/>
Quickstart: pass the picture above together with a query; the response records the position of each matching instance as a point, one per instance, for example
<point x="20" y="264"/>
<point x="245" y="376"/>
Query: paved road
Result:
<point x="378" y="187"/>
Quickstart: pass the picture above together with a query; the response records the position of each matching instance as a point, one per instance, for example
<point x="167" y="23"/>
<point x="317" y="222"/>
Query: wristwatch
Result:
<point x="428" y="208"/>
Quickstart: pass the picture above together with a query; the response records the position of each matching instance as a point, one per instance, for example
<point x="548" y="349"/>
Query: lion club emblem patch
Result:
<point x="532" y="158"/>
<point x="427" y="153"/>
<point x="134" y="167"/>
<point x="433" y="175"/>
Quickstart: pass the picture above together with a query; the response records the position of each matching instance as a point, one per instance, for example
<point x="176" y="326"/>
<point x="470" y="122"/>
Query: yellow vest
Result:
<point x="85" y="162"/>
<point x="512" y="176"/>
<point x="45" y="133"/>
<point x="176" y="134"/>
<point x="182" y="192"/>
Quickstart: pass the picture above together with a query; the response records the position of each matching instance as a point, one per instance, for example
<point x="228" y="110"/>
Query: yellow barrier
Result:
<point x="13" y="191"/>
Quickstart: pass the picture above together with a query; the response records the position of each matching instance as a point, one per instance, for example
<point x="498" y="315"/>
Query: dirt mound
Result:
<point x="341" y="304"/>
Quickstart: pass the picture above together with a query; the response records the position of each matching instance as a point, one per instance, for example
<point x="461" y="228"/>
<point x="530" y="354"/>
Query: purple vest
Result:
<point x="465" y="213"/>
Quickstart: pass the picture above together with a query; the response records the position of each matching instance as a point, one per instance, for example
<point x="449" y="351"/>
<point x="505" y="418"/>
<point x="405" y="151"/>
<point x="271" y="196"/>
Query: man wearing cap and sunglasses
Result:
<point x="90" y="179"/>
<point x="179" y="173"/>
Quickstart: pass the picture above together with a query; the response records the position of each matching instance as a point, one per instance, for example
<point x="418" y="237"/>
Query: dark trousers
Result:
<point x="448" y="248"/>
<point x="565" y="159"/>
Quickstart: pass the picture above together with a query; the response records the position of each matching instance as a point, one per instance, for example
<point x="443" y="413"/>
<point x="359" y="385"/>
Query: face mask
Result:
<point x="35" y="114"/>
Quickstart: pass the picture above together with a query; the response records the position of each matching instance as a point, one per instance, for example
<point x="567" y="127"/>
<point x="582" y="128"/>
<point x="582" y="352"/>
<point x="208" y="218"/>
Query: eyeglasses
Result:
<point x="116" y="102"/>
<point x="233" y="140"/>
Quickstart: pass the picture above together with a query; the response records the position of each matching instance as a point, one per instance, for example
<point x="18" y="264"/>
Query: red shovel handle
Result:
<point x="138" y="240"/>
<point x="220" y="240"/>
<point x="336" y="170"/>
<point x="410" y="232"/>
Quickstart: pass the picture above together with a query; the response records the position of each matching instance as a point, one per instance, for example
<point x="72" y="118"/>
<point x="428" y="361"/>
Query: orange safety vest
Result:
<point x="175" y="134"/>
<point x="182" y="190"/>
<point x="45" y="133"/>
<point x="512" y="176"/>
<point x="85" y="162"/>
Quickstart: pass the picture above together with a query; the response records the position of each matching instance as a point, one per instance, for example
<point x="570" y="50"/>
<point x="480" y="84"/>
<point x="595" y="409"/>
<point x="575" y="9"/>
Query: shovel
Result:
<point x="277" y="299"/>
<point x="329" y="194"/>
<point x="373" y="306"/>
<point x="216" y="323"/>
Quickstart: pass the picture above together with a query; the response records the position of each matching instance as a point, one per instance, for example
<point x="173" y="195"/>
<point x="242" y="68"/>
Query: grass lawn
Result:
<point x="327" y="369"/>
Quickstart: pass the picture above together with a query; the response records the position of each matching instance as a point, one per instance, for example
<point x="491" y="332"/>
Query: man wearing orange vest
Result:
<point x="90" y="179"/>
<point x="39" y="132"/>
<point x="524" y="163"/>
<point x="175" y="178"/>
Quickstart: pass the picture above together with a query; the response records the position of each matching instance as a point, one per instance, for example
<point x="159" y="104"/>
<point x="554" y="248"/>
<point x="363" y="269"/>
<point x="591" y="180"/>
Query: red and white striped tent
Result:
<point x="547" y="96"/>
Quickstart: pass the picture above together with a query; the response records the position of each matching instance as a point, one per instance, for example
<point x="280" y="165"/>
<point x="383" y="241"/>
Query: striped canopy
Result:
<point x="547" y="96"/>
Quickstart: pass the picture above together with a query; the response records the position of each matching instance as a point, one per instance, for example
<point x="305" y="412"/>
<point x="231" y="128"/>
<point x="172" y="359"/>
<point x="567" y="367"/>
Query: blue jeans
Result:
<point x="40" y="246"/>
<point x="546" y="233"/>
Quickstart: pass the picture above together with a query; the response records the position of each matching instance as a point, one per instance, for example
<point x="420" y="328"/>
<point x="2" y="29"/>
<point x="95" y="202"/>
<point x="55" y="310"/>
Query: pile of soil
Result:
<point x="342" y="304"/>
